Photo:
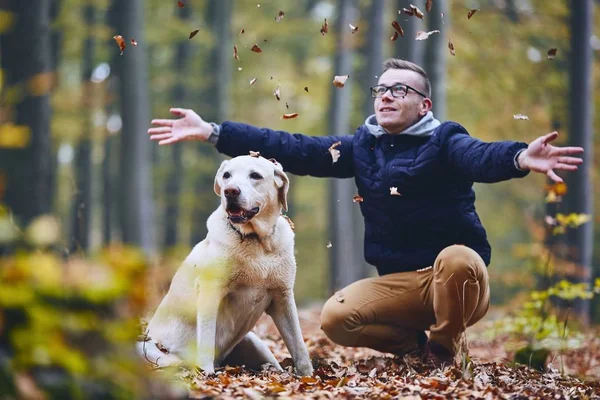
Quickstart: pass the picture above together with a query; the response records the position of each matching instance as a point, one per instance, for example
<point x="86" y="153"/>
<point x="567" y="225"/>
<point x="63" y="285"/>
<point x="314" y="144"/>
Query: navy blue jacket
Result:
<point x="434" y="176"/>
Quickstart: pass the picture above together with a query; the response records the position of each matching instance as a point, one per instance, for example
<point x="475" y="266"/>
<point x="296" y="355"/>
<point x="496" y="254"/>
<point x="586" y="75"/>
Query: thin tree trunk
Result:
<point x="436" y="53"/>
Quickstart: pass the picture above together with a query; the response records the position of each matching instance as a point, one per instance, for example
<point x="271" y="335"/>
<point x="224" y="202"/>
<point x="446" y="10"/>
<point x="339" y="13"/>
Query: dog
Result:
<point x="245" y="266"/>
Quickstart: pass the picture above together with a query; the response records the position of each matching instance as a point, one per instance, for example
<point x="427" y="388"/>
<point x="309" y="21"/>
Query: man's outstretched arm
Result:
<point x="298" y="154"/>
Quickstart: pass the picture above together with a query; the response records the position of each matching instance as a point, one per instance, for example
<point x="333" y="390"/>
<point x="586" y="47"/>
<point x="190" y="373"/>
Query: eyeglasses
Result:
<point x="398" y="90"/>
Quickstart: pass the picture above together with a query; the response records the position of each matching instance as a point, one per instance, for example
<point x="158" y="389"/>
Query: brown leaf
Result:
<point x="428" y="5"/>
<point x="407" y="11"/>
<point x="418" y="13"/>
<point x="340" y="81"/>
<point x="394" y="36"/>
<point x="235" y="52"/>
<point x="252" y="81"/>
<point x="335" y="153"/>
<point x="133" y="42"/>
<point x="277" y="93"/>
<point x="279" y="16"/>
<point x="357" y="198"/>
<point x="121" y="42"/>
<point x="353" y="28"/>
<point x="254" y="154"/>
<point x="287" y="105"/>
<point x="256" y="49"/>
<point x="422" y="35"/>
<point x="309" y="380"/>
<point x="398" y="28"/>
<point x="242" y="31"/>
<point x="180" y="4"/>
<point x="290" y="116"/>
<point x="324" y="28"/>
<point x="552" y="53"/>
<point x="394" y="191"/>
<point x="451" y="47"/>
<point x="470" y="14"/>
<point x="306" y="89"/>
<point x="194" y="33"/>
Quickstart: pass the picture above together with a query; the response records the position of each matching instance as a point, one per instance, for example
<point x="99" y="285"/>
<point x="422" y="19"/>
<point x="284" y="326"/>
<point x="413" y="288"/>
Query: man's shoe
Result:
<point x="437" y="355"/>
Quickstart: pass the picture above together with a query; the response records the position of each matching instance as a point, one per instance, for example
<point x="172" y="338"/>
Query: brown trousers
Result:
<point x="390" y="312"/>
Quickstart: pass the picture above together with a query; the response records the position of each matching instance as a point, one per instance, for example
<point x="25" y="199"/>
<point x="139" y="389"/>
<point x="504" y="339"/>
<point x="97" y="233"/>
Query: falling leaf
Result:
<point x="194" y="33"/>
<point x="256" y="49"/>
<point x="451" y="47"/>
<point x="428" y="5"/>
<point x="398" y="28"/>
<point x="470" y="14"/>
<point x="353" y="28"/>
<point x="520" y="116"/>
<point x="277" y="93"/>
<point x="335" y="153"/>
<point x="242" y="31"/>
<point x="252" y="81"/>
<point x="254" y="154"/>
<point x="394" y="191"/>
<point x="552" y="53"/>
<point x="412" y="11"/>
<point x="339" y="296"/>
<point x="306" y="89"/>
<point x="290" y="116"/>
<point x="121" y="42"/>
<point x="235" y="52"/>
<point x="287" y="105"/>
<point x="560" y="189"/>
<point x="406" y="11"/>
<point x="133" y="42"/>
<point x="549" y="220"/>
<point x="239" y="68"/>
<point x="422" y="35"/>
<point x="324" y="28"/>
<point x="180" y="4"/>
<point x="339" y="81"/>
<point x="279" y="16"/>
<point x="329" y="245"/>
<point x="357" y="198"/>
<point x="394" y="36"/>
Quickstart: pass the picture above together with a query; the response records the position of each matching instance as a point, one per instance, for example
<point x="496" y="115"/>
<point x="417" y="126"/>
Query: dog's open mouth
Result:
<point x="238" y="215"/>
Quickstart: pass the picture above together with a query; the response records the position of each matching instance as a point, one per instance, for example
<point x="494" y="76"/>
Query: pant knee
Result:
<point x="336" y="322"/>
<point x="459" y="261"/>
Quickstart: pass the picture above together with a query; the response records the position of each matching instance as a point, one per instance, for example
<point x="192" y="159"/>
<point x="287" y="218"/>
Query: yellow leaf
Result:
<point x="7" y="21"/>
<point x="43" y="231"/>
<point x="14" y="136"/>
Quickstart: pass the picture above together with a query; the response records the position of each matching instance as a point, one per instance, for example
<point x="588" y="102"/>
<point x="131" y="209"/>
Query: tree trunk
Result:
<point x="436" y="52"/>
<point x="173" y="189"/>
<point x="407" y="48"/>
<point x="347" y="265"/>
<point x="27" y="60"/>
<point x="136" y="214"/>
<point x="580" y="195"/>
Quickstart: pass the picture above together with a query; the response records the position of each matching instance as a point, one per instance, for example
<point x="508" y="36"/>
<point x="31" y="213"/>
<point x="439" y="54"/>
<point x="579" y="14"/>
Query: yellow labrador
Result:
<point x="244" y="267"/>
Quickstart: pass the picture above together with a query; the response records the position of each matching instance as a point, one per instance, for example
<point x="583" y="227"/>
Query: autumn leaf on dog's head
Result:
<point x="394" y="36"/>
<point x="353" y="28"/>
<point x="451" y="47"/>
<point x="335" y="153"/>
<point x="422" y="35"/>
<point x="279" y="16"/>
<point x="357" y="198"/>
<point x="470" y="14"/>
<point x="552" y="53"/>
<point x="428" y="5"/>
<point x="340" y="81"/>
<point x="194" y="33"/>
<point x="324" y="28"/>
<point x="254" y="154"/>
<point x="256" y="49"/>
<point x="277" y="93"/>
<point x="121" y="42"/>
<point x="290" y="116"/>
<point x="398" y="28"/>
<point x="235" y="52"/>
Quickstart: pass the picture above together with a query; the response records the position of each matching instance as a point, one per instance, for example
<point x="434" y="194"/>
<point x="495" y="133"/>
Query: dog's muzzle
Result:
<point x="239" y="215"/>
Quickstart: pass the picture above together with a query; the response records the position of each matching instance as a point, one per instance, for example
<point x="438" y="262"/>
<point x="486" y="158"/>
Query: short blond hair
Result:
<point x="398" y="63"/>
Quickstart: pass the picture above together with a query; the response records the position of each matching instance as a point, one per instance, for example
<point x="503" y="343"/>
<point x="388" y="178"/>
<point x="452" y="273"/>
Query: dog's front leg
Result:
<point x="285" y="315"/>
<point x="208" y="298"/>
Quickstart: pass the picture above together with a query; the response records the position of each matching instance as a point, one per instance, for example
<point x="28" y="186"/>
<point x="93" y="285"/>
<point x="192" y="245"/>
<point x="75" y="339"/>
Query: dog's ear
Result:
<point x="217" y="177"/>
<point x="283" y="184"/>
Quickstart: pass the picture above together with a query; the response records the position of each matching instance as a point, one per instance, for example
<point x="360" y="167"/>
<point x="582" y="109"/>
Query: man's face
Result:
<point x="395" y="114"/>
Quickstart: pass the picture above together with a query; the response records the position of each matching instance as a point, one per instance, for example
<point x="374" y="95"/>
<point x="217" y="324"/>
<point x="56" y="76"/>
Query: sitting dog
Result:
<point x="244" y="267"/>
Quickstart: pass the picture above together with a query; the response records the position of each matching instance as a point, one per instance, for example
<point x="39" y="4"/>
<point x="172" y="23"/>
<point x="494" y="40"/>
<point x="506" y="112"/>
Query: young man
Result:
<point x="426" y="241"/>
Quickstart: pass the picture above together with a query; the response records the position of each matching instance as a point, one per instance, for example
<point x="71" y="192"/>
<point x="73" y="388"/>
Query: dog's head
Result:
<point x="249" y="186"/>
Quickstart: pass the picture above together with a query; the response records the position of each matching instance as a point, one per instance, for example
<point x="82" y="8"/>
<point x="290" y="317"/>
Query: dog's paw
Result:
<point x="304" y="368"/>
<point x="206" y="367"/>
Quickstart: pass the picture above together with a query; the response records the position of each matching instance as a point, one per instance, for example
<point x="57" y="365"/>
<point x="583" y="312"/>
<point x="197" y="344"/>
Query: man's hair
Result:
<point x="397" y="63"/>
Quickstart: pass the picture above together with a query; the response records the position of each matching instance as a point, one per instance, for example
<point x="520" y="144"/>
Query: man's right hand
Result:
<point x="189" y="127"/>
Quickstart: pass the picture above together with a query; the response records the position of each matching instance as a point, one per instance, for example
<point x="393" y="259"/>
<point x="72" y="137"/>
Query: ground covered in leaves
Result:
<point x="362" y="373"/>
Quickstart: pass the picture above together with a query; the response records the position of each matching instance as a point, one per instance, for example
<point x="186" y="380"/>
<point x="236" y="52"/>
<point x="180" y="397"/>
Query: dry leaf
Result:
<point x="373" y="373"/>
<point x="329" y="245"/>
<point x="559" y="189"/>
<point x="470" y="14"/>
<point x="290" y="116"/>
<point x="413" y="11"/>
<point x="287" y="105"/>
<point x="252" y="81"/>
<point x="552" y="53"/>
<point x="180" y="4"/>
<point x="306" y="89"/>
<point x="242" y="31"/>
<point x="357" y="198"/>
<point x="121" y="42"/>
<point x="406" y="11"/>
<point x="324" y="28"/>
<point x="394" y="191"/>
<point x="194" y="33"/>
<point x="451" y="47"/>
<point x="549" y="220"/>
<point x="398" y="28"/>
<point x="394" y="36"/>
<point x="254" y="154"/>
<point x="428" y="5"/>
<point x="340" y="81"/>
<point x="339" y="296"/>
<point x="277" y="93"/>
<point x="235" y="52"/>
<point x="162" y="348"/>
<point x="133" y="42"/>
<point x="335" y="153"/>
<point x="520" y="116"/>
<point x="422" y="35"/>
<point x="353" y="28"/>
<point x="279" y="16"/>
<point x="256" y="49"/>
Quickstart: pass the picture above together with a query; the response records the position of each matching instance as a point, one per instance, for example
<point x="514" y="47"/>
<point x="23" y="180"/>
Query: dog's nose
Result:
<point x="232" y="193"/>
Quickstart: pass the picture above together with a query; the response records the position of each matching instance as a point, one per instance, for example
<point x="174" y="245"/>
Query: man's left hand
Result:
<point x="542" y="157"/>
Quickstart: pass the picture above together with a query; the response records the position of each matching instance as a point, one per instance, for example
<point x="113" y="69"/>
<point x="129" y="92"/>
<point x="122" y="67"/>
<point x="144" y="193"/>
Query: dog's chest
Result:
<point x="266" y="272"/>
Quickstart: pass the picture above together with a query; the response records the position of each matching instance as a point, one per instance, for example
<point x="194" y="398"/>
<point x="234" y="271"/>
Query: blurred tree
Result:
<point x="436" y="53"/>
<point x="407" y="48"/>
<point x="135" y="193"/>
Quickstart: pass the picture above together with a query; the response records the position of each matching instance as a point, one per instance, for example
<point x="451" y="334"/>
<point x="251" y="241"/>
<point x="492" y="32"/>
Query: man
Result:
<point x="424" y="237"/>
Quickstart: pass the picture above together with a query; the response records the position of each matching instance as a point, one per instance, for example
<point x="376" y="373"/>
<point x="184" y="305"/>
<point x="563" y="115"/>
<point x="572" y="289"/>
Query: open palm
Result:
<point x="189" y="127"/>
<point x="542" y="157"/>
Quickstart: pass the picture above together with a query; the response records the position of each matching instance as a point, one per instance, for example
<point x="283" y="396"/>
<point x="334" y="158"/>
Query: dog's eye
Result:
<point x="256" y="176"/>
<point x="226" y="175"/>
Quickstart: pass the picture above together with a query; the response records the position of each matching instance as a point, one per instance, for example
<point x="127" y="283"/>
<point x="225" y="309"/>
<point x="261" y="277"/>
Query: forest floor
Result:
<point x="362" y="373"/>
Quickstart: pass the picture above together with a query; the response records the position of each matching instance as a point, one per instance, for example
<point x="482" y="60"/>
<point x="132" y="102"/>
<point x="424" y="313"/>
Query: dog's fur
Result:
<point x="244" y="267"/>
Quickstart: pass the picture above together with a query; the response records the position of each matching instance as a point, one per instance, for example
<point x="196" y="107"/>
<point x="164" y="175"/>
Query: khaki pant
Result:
<point x="390" y="313"/>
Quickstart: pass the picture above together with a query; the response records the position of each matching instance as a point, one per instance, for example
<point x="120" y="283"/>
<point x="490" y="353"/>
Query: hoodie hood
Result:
<point x="423" y="128"/>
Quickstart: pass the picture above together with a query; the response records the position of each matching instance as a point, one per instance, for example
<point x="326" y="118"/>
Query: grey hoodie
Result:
<point x="424" y="127"/>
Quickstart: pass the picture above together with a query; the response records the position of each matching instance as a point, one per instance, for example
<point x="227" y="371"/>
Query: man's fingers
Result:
<point x="566" y="167"/>
<point x="180" y="112"/>
<point x="162" y="122"/>
<point x="171" y="140"/>
<point x="162" y="129"/>
<point x="550" y="137"/>
<point x="553" y="176"/>
<point x="161" y="137"/>
<point x="563" y="151"/>
<point x="570" y="160"/>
